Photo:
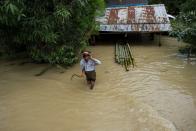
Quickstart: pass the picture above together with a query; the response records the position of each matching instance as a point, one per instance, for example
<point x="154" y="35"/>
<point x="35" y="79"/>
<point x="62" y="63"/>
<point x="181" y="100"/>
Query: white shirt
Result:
<point x="89" y="65"/>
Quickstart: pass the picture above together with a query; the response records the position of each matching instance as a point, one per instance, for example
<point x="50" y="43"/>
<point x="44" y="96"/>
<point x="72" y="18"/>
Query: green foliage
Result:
<point x="187" y="49"/>
<point x="173" y="6"/>
<point x="48" y="30"/>
<point x="65" y="56"/>
<point x="188" y="5"/>
<point x="184" y="27"/>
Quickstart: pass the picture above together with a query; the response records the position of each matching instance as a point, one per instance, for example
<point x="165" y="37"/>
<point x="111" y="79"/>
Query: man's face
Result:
<point x="86" y="57"/>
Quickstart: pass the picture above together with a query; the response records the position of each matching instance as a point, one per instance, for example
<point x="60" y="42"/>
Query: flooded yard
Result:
<point x="159" y="94"/>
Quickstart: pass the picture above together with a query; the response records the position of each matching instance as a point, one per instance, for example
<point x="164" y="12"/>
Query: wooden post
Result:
<point x="160" y="40"/>
<point x="152" y="36"/>
<point x="125" y="35"/>
<point x="92" y="40"/>
<point x="189" y="52"/>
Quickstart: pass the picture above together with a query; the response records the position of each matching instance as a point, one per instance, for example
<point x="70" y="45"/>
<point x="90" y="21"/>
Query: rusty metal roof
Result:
<point x="147" y="18"/>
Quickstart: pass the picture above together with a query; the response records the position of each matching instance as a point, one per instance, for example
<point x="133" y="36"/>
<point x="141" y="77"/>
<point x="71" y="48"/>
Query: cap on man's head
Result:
<point x="86" y="53"/>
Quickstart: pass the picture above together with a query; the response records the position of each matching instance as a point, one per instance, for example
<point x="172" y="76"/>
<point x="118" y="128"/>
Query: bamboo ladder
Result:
<point x="123" y="55"/>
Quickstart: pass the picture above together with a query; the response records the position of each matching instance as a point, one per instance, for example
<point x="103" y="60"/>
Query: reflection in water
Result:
<point x="158" y="95"/>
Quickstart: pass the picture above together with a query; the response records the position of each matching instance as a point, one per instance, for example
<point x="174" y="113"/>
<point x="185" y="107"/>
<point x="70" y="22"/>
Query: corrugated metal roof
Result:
<point x="147" y="18"/>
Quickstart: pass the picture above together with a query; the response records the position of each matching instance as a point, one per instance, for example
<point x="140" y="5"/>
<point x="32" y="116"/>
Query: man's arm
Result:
<point x="97" y="62"/>
<point x="82" y="68"/>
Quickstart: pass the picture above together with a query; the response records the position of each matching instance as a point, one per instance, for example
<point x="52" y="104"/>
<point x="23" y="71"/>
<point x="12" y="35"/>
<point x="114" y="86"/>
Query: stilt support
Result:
<point x="160" y="40"/>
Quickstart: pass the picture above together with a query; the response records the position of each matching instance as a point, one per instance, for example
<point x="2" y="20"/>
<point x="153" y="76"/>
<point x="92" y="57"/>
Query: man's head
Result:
<point x="86" y="55"/>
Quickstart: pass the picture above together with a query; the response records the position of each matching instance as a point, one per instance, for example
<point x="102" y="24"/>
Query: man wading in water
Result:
<point x="88" y="64"/>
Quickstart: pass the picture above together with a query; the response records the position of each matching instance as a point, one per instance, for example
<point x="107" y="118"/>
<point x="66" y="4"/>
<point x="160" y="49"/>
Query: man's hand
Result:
<point x="82" y="74"/>
<point x="91" y="56"/>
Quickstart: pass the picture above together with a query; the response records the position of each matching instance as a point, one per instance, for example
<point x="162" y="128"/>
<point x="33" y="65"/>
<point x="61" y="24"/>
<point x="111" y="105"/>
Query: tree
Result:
<point x="184" y="28"/>
<point x="51" y="31"/>
<point x="173" y="6"/>
<point x="188" y="5"/>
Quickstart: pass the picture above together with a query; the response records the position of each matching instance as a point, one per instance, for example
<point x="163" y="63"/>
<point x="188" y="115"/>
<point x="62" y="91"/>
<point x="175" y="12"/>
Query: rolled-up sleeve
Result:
<point x="97" y="62"/>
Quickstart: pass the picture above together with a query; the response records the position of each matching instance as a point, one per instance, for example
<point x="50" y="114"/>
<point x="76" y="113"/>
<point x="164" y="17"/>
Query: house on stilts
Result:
<point x="133" y="17"/>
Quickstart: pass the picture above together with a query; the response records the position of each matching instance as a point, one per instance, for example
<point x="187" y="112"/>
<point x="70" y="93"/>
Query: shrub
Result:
<point x="50" y="31"/>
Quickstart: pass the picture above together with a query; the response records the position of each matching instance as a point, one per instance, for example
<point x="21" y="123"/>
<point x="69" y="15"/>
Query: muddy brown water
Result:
<point x="158" y="95"/>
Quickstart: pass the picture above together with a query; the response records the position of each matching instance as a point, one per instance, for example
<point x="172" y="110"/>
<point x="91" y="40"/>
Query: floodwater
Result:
<point x="159" y="94"/>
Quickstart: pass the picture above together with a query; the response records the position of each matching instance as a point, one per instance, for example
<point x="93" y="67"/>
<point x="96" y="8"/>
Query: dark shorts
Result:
<point x="90" y="75"/>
